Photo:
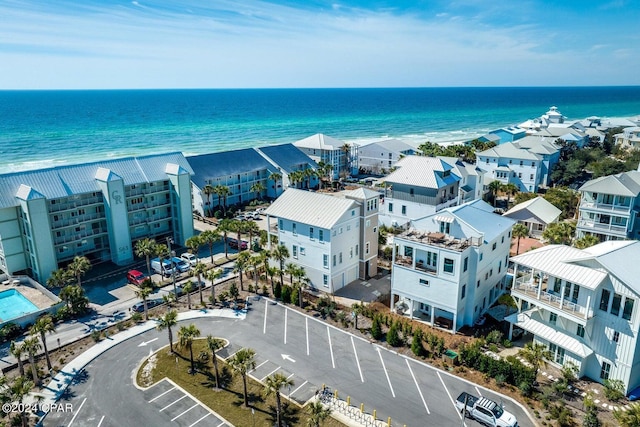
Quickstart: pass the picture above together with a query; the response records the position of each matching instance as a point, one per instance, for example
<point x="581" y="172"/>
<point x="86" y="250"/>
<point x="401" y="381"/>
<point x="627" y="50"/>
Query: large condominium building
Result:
<point x="331" y="151"/>
<point x="98" y="210"/>
<point x="581" y="304"/>
<point x="448" y="268"/>
<point x="334" y="237"/>
<point x="610" y="206"/>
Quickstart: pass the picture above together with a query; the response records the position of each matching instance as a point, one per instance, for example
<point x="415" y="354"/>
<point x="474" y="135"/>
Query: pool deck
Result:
<point x="37" y="298"/>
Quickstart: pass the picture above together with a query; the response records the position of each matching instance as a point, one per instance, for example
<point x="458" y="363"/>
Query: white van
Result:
<point x="167" y="270"/>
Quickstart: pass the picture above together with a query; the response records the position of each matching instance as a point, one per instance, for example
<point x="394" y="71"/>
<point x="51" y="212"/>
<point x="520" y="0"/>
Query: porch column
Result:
<point x="515" y="276"/>
<point x="588" y="307"/>
<point x="393" y="297"/>
<point x="455" y="323"/>
<point x="268" y="231"/>
<point x="411" y="309"/>
<point x="433" y="315"/>
<point x="564" y="285"/>
<point x="539" y="284"/>
<point x="510" y="336"/>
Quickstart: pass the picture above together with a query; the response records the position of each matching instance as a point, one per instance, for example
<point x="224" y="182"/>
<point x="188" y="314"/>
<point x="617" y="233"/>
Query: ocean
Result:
<point x="47" y="128"/>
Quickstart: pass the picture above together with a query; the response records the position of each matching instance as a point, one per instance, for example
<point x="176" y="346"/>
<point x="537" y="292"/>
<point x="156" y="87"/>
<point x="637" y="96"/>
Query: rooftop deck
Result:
<point x="441" y="240"/>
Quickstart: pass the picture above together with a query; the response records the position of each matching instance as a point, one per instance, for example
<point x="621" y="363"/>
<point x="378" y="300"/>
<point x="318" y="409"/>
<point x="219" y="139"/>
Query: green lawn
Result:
<point x="228" y="401"/>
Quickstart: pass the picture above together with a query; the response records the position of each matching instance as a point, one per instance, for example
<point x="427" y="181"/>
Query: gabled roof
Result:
<point x="510" y="150"/>
<point x="421" y="172"/>
<point x="316" y="209"/>
<point x="619" y="258"/>
<point x="62" y="181"/>
<point x="538" y="207"/>
<point x="320" y="141"/>
<point x="538" y="145"/>
<point x="288" y="157"/>
<point x="557" y="260"/>
<point x="461" y="167"/>
<point x="213" y="165"/>
<point x="361" y="193"/>
<point x="622" y="184"/>
<point x="393" y="145"/>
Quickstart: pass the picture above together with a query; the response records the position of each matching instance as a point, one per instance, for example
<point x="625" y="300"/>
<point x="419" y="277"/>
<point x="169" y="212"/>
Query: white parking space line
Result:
<point x="173" y="403"/>
<point x="285" y="324"/>
<point x="417" y="386"/>
<point x="77" y="412"/>
<point x="101" y="420"/>
<point x="260" y="365"/>
<point x="453" y="402"/>
<point x="264" y="327"/>
<point x="290" y="376"/>
<point x="478" y="391"/>
<point x="333" y="362"/>
<point x="357" y="360"/>
<point x="159" y="396"/>
<point x="385" y="372"/>
<point x="306" y="326"/>
<point x="205" y="416"/>
<point x="270" y="373"/>
<point x="299" y="387"/>
<point x="179" y="415"/>
<point x="221" y="424"/>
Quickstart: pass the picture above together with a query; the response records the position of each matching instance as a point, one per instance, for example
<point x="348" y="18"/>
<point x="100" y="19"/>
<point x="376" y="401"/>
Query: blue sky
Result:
<point x="246" y="44"/>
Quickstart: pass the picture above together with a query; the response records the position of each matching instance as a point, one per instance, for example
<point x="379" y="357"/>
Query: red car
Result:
<point x="135" y="277"/>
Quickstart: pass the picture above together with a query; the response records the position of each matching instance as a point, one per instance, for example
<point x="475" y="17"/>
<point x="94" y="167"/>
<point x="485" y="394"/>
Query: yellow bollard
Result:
<point x="389" y="422"/>
<point x="374" y="415"/>
<point x="348" y="400"/>
<point x="362" y="408"/>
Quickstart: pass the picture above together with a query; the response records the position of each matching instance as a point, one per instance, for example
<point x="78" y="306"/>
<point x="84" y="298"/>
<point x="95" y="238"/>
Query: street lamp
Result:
<point x="173" y="270"/>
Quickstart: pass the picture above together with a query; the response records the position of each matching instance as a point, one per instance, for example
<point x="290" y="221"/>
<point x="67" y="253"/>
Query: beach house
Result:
<point x="581" y="305"/>
<point x="334" y="237"/>
<point x="342" y="157"/>
<point x="629" y="138"/>
<point x="98" y="210"/>
<point x="378" y="157"/>
<point x="449" y="267"/>
<point x="536" y="214"/>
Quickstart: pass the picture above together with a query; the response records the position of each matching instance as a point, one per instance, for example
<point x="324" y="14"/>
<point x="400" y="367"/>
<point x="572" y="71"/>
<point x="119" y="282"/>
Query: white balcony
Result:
<point x="528" y="291"/>
<point x="604" y="207"/>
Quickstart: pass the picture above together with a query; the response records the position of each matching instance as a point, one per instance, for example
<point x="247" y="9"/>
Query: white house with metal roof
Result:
<point x="449" y="267"/>
<point x="581" y="304"/>
<point x="418" y="187"/>
<point x="334" y="237"/>
<point x="609" y="207"/>
<point x="340" y="155"/>
<point x="378" y="157"/>
<point x="629" y="138"/>
<point x="536" y="214"/>
<point x="98" y="210"/>
<point x="526" y="163"/>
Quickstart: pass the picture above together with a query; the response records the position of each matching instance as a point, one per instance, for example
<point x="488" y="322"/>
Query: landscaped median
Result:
<point x="228" y="398"/>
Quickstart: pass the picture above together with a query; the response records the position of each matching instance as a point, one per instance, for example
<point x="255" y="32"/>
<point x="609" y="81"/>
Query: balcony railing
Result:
<point x="593" y="225"/>
<point x="606" y="207"/>
<point x="524" y="288"/>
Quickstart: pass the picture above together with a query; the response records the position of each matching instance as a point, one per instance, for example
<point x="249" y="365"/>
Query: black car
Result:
<point x="139" y="306"/>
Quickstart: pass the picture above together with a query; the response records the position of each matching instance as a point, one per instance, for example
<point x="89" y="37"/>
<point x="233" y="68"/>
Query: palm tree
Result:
<point x="275" y="177"/>
<point x="223" y="192"/>
<point x="209" y="238"/>
<point x="280" y="253"/>
<point x="586" y="241"/>
<point x="215" y="344"/>
<point x="168" y="321"/>
<point x="346" y="148"/>
<point x="317" y="414"/>
<point x="242" y="262"/>
<point x="198" y="270"/>
<point x="32" y="346"/>
<point x="272" y="271"/>
<point x="536" y="354"/>
<point x="187" y="288"/>
<point x="519" y="231"/>
<point x="272" y="385"/>
<point x="494" y="187"/>
<point x="238" y="227"/>
<point x="186" y="335"/>
<point x="294" y="178"/>
<point x="145" y="248"/>
<point x="299" y="275"/>
<point x="43" y="325"/>
<point x="290" y="269"/>
<point x="559" y="232"/>
<point x="629" y="417"/>
<point x="242" y="362"/>
<point x="162" y="252"/>
<point x="257" y="262"/>
<point x="78" y="267"/>
<point x="252" y="229"/>
<point x="258" y="188"/>
<point x="511" y="189"/>
<point x="194" y="243"/>
<point x="212" y="275"/>
<point x="144" y="293"/>
<point x="225" y="227"/>
<point x="59" y="278"/>
<point x="17" y="350"/>
<point x="208" y="190"/>
<point x="19" y="389"/>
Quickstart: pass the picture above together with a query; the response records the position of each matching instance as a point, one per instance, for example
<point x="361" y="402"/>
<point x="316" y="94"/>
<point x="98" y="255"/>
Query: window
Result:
<point x="552" y="318"/>
<point x="520" y="175"/>
<point x="604" y="371"/>
<point x="424" y="282"/>
<point x="340" y="257"/>
<point x="325" y="280"/>
<point x="580" y="331"/>
<point x="502" y="239"/>
<point x="480" y="256"/>
<point x="295" y="251"/>
<point x="390" y="207"/>
<point x="478" y="284"/>
<point x="465" y="264"/>
<point x="293" y="228"/>
<point x="628" y="308"/>
<point x="350" y="252"/>
<point x="604" y="300"/>
<point x="302" y="251"/>
<point x="340" y="231"/>
<point x="615" y="304"/>
<point x="334" y="260"/>
<point x="404" y="210"/>
<point x="311" y="233"/>
<point x="499" y="266"/>
<point x="356" y="250"/>
<point x="521" y="162"/>
<point x="366" y="248"/>
<point x="367" y="223"/>
<point x="464" y="291"/>
<point x="445" y="227"/>
<point x="320" y="235"/>
<point x="348" y="227"/>
<point x="531" y="177"/>
<point x="280" y="224"/>
<point x="448" y="265"/>
<point x="493" y="247"/>
<point x="616" y="336"/>
<point x="325" y="260"/>
<point x="411" y="192"/>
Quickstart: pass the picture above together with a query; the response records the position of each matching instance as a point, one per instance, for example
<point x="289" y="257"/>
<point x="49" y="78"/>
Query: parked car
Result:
<point x="260" y="211"/>
<point x="485" y="411"/>
<point x="240" y="217"/>
<point x="189" y="258"/>
<point x="136" y="278"/>
<point x="166" y="269"/>
<point x="139" y="306"/>
<point x="234" y="243"/>
<point x="180" y="264"/>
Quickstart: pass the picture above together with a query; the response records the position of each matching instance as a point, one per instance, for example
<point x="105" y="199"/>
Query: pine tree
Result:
<point x="416" y="344"/>
<point x="376" y="328"/>
<point x="393" y="338"/>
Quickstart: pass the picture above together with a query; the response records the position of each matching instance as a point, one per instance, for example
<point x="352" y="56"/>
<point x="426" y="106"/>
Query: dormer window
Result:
<point x="411" y="191"/>
<point x="446" y="174"/>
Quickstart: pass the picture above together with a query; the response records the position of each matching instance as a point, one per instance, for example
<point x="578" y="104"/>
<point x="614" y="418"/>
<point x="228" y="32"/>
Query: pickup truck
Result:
<point x="485" y="411"/>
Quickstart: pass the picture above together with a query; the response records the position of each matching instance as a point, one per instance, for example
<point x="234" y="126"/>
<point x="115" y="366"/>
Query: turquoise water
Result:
<point x="48" y="128"/>
<point x="13" y="304"/>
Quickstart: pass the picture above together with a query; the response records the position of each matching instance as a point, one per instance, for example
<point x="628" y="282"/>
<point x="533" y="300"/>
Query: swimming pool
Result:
<point x="13" y="304"/>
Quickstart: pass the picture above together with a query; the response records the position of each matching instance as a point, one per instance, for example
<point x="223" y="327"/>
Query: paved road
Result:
<point x="301" y="347"/>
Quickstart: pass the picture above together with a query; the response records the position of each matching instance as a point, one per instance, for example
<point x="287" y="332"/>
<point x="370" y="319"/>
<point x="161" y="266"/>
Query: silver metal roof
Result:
<point x="320" y="141"/>
<point x="622" y="184"/>
<point x="421" y="172"/>
<point x="537" y="207"/>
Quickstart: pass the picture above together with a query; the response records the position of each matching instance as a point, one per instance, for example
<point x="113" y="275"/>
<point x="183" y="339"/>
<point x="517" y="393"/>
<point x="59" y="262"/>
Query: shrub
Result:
<point x="376" y="328"/>
<point x="393" y="338"/>
<point x="277" y="290"/>
<point x="416" y="344"/>
<point x="96" y="335"/>
<point x="500" y="380"/>
<point x="295" y="296"/>
<point x="526" y="388"/>
<point x="494" y="337"/>
<point x="613" y="390"/>
<point x="265" y="290"/>
<point x="136" y="317"/>
<point x="569" y="372"/>
<point x="507" y="344"/>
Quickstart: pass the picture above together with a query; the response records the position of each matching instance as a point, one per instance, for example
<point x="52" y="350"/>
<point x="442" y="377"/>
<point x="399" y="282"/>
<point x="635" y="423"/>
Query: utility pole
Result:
<point x="173" y="270"/>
